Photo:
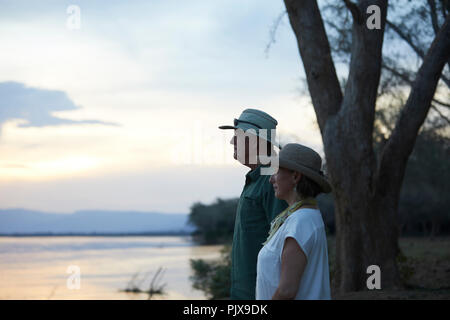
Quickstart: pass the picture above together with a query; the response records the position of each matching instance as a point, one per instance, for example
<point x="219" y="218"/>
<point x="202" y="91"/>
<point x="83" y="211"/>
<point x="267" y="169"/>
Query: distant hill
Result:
<point x="22" y="221"/>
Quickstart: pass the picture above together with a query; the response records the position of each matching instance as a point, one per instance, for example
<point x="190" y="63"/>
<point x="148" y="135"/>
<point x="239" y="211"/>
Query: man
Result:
<point x="257" y="207"/>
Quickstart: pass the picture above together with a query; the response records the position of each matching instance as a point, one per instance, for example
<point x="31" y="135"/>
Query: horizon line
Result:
<point x="99" y="210"/>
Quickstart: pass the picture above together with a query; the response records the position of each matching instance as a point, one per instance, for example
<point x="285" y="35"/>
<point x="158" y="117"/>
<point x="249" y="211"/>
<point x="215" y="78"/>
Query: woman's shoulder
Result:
<point x="305" y="225"/>
<point x="306" y="217"/>
<point x="306" y="213"/>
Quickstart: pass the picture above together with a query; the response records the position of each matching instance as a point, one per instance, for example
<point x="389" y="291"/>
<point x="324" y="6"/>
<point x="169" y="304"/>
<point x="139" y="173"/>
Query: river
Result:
<point x="83" y="267"/>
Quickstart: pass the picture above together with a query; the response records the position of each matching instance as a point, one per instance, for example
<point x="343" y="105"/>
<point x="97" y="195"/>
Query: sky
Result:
<point x="115" y="104"/>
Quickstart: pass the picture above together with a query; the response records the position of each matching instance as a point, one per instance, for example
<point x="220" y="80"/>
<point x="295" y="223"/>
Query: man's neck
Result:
<point x="252" y="166"/>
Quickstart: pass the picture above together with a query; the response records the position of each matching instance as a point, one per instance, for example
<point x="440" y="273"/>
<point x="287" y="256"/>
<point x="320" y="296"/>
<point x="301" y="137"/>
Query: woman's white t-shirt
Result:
<point x="307" y="228"/>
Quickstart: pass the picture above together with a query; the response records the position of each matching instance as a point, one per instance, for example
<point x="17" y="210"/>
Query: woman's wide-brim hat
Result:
<point x="256" y="120"/>
<point x="305" y="160"/>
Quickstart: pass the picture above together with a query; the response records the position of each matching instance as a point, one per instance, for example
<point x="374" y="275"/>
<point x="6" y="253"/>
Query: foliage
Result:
<point x="214" y="222"/>
<point x="424" y="199"/>
<point x="414" y="259"/>
<point x="410" y="28"/>
<point x="424" y="202"/>
<point x="408" y="34"/>
<point x="405" y="267"/>
<point x="213" y="278"/>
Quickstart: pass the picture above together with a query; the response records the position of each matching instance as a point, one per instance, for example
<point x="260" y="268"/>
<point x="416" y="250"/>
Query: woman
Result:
<point x="293" y="263"/>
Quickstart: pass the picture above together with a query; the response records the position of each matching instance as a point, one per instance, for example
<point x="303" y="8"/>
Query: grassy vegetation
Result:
<point x="155" y="287"/>
<point x="213" y="278"/>
<point x="424" y="266"/>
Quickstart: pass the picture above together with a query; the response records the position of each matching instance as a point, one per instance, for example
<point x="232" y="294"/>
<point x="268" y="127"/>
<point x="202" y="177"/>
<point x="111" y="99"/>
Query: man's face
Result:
<point x="250" y="149"/>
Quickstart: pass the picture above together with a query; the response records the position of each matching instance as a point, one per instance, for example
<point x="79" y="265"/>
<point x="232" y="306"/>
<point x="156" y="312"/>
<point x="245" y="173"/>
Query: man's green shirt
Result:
<point x="257" y="207"/>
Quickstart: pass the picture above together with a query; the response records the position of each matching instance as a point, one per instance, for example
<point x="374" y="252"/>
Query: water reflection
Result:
<point x="36" y="267"/>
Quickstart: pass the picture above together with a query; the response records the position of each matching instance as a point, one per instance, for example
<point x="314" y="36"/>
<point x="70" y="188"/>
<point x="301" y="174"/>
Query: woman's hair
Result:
<point x="308" y="188"/>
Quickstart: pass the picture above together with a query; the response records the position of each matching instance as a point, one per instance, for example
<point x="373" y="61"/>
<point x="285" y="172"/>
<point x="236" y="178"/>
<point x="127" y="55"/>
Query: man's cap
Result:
<point x="254" y="119"/>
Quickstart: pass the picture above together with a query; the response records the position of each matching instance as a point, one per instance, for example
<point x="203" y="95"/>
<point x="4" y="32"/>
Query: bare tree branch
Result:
<point x="445" y="6"/>
<point x="397" y="73"/>
<point x="323" y="83"/>
<point x="433" y="14"/>
<point x="404" y="75"/>
<point x="442" y="103"/>
<point x="440" y="113"/>
<point x="364" y="75"/>
<point x="401" y="142"/>
<point x="273" y="31"/>
<point x="407" y="38"/>
<point x="354" y="10"/>
<point x="405" y="78"/>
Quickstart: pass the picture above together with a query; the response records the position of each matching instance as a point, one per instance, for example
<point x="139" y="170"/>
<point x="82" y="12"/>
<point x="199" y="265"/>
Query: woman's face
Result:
<point x="283" y="183"/>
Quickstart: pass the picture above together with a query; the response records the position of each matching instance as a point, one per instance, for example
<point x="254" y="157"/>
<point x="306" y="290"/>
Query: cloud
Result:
<point x="36" y="106"/>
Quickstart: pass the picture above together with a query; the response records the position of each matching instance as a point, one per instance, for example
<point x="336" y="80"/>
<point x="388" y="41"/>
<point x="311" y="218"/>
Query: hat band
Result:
<point x="318" y="171"/>
<point x="236" y="121"/>
<point x="304" y="169"/>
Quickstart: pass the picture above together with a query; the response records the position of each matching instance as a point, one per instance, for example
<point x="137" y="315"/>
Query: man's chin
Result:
<point x="239" y="160"/>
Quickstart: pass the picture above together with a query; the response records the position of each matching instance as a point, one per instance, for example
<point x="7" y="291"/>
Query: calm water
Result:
<point x="36" y="267"/>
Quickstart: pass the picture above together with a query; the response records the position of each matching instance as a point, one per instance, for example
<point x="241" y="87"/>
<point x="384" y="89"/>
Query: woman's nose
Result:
<point x="272" y="179"/>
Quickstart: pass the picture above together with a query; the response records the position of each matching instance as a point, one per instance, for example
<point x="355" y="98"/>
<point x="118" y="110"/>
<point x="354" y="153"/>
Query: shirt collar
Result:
<point x="254" y="174"/>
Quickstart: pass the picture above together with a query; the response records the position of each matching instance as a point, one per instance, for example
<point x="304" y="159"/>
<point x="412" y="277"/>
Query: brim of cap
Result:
<point x="227" y="127"/>
<point x="312" y="174"/>
<point x="245" y="127"/>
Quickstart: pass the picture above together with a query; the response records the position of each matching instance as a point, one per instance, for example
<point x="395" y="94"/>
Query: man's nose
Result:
<point x="272" y="179"/>
<point x="233" y="140"/>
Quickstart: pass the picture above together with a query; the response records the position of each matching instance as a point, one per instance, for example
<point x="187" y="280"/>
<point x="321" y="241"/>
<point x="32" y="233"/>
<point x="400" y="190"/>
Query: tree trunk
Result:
<point x="366" y="188"/>
<point x="367" y="234"/>
<point x="366" y="219"/>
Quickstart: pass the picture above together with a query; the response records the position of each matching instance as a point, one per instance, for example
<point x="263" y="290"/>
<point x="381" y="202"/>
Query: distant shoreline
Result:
<point x="99" y="234"/>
